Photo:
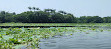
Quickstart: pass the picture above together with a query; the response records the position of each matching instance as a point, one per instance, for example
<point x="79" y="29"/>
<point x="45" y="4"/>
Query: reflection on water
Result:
<point x="94" y="40"/>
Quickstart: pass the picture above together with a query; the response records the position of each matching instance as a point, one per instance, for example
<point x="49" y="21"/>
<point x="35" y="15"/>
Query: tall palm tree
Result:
<point x="37" y="9"/>
<point x="34" y="8"/>
<point x="49" y="10"/>
<point x="52" y="10"/>
<point x="62" y="12"/>
<point x="30" y="8"/>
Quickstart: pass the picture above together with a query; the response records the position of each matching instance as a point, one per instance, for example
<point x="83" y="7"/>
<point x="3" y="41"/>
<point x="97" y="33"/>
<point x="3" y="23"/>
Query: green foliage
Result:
<point x="35" y="15"/>
<point x="6" y="17"/>
<point x="15" y="41"/>
<point x="90" y="19"/>
<point x="107" y="19"/>
<point x="18" y="37"/>
<point x="30" y="37"/>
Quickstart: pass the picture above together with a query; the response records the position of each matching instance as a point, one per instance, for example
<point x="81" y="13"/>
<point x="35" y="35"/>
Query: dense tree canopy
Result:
<point x="36" y="15"/>
<point x="6" y="17"/>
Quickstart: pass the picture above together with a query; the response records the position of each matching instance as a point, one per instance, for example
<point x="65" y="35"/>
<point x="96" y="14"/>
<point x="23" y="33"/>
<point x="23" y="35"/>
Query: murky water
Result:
<point x="79" y="40"/>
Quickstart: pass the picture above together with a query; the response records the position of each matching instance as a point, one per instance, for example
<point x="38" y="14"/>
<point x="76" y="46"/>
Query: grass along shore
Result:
<point x="55" y="24"/>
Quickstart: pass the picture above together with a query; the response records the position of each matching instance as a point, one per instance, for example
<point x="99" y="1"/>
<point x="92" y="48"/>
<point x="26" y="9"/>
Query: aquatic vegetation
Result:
<point x="55" y="24"/>
<point x="30" y="37"/>
<point x="101" y="30"/>
<point x="19" y="37"/>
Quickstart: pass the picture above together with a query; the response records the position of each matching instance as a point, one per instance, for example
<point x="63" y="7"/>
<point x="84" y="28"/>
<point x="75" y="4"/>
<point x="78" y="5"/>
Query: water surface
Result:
<point x="80" y="40"/>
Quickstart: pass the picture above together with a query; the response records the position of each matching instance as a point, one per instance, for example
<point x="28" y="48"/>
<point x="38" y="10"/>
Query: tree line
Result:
<point x="36" y="15"/>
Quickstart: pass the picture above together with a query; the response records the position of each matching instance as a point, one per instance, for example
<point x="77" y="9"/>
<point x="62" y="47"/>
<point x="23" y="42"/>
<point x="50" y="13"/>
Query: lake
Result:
<point x="80" y="40"/>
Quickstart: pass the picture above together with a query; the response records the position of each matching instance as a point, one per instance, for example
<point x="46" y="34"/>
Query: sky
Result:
<point x="79" y="8"/>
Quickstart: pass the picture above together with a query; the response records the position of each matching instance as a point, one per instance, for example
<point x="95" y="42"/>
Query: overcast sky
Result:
<point x="77" y="7"/>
